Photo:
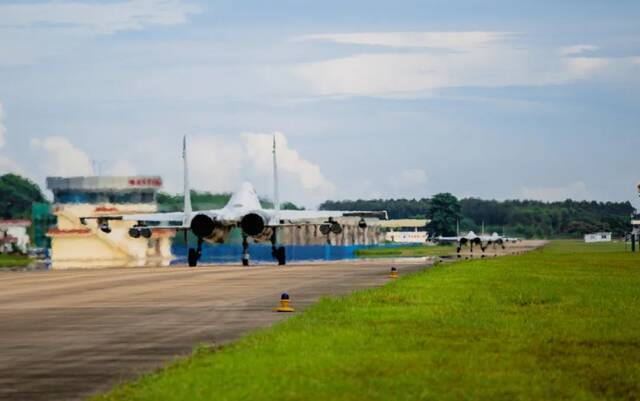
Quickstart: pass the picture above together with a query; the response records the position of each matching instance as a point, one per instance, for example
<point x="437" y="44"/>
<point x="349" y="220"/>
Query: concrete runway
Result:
<point x="69" y="334"/>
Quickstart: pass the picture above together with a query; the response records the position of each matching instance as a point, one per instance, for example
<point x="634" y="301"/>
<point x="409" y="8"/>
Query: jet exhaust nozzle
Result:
<point x="203" y="226"/>
<point x="253" y="224"/>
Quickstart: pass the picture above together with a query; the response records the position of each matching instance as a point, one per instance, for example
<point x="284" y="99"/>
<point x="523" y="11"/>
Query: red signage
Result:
<point x="145" y="182"/>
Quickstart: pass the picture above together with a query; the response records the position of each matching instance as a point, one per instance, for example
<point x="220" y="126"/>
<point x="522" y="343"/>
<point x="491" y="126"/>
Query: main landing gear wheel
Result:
<point x="194" y="254"/>
<point x="245" y="251"/>
<point x="280" y="254"/>
<point x="193" y="257"/>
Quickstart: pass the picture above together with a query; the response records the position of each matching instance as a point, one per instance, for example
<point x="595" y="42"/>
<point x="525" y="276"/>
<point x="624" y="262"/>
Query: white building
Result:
<point x="405" y="231"/>
<point x="597" y="237"/>
<point x="74" y="244"/>
<point x="14" y="234"/>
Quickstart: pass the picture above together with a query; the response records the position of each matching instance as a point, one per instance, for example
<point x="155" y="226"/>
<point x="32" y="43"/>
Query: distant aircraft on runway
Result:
<point x="243" y="210"/>
<point x="462" y="240"/>
<point x="484" y="241"/>
<point x="471" y="238"/>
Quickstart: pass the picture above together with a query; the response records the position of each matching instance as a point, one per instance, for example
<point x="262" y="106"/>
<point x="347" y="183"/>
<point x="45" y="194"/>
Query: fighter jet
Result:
<point x="494" y="239"/>
<point x="243" y="210"/>
<point x="462" y="240"/>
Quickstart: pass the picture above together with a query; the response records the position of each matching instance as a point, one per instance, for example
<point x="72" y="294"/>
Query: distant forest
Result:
<point x="522" y="218"/>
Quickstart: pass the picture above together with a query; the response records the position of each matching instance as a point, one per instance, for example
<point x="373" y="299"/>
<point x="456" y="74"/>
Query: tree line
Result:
<point x="522" y="218"/>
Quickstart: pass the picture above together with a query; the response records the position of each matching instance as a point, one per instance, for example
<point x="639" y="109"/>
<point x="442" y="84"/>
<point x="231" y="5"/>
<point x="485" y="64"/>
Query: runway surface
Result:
<point x="69" y="334"/>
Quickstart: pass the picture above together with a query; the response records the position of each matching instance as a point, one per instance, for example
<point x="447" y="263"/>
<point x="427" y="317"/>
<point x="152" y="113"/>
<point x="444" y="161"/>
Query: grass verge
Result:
<point x="406" y="251"/>
<point x="557" y="323"/>
<point x="13" y="261"/>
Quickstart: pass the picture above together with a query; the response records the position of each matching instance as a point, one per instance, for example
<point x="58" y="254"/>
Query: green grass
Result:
<point x="558" y="323"/>
<point x="406" y="251"/>
<point x="13" y="261"/>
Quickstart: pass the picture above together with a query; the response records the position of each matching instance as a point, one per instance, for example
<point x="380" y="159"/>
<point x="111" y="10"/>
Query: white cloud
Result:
<point x="410" y="182"/>
<point x="62" y="158"/>
<point x="9" y="166"/>
<point x="474" y="59"/>
<point x="413" y="177"/>
<point x="308" y="174"/>
<point x="583" y="67"/>
<point x="215" y="162"/>
<point x="3" y="129"/>
<point x="102" y="18"/>
<point x="437" y="40"/>
<point x="219" y="163"/>
<point x="576" y="191"/>
<point x="122" y="168"/>
<point x="577" y="49"/>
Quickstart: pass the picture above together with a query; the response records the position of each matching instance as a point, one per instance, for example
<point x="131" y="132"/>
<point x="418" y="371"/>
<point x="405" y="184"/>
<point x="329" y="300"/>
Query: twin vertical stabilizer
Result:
<point x="276" y="191"/>
<point x="187" y="189"/>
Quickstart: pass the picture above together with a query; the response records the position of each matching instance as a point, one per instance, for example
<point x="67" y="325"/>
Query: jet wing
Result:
<point x="295" y="216"/>
<point x="150" y="218"/>
<point x="155" y="217"/>
<point x="447" y="239"/>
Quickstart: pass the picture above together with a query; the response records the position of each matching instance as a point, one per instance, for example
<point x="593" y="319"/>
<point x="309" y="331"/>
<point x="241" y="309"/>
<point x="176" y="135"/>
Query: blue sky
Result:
<point x="496" y="99"/>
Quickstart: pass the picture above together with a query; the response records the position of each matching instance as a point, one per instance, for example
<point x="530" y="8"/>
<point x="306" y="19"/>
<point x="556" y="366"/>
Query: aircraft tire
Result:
<point x="245" y="262"/>
<point x="281" y="256"/>
<point x="193" y="257"/>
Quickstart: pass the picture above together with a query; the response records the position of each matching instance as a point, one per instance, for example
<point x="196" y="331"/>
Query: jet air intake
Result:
<point x="203" y="226"/>
<point x="253" y="224"/>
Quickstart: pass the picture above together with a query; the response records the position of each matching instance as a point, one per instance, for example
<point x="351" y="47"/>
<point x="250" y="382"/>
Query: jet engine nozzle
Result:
<point x="253" y="224"/>
<point x="203" y="226"/>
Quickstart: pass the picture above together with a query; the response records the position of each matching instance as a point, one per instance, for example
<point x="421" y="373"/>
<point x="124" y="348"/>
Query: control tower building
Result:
<point x="74" y="245"/>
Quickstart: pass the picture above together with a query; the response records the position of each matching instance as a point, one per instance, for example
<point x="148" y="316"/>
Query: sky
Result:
<point x="366" y="99"/>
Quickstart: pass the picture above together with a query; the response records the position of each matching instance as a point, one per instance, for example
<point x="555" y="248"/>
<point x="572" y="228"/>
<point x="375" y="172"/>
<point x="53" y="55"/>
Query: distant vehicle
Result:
<point x="243" y="210"/>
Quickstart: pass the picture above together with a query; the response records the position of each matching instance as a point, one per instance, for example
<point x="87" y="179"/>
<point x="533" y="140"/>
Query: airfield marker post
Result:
<point x="284" y="304"/>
